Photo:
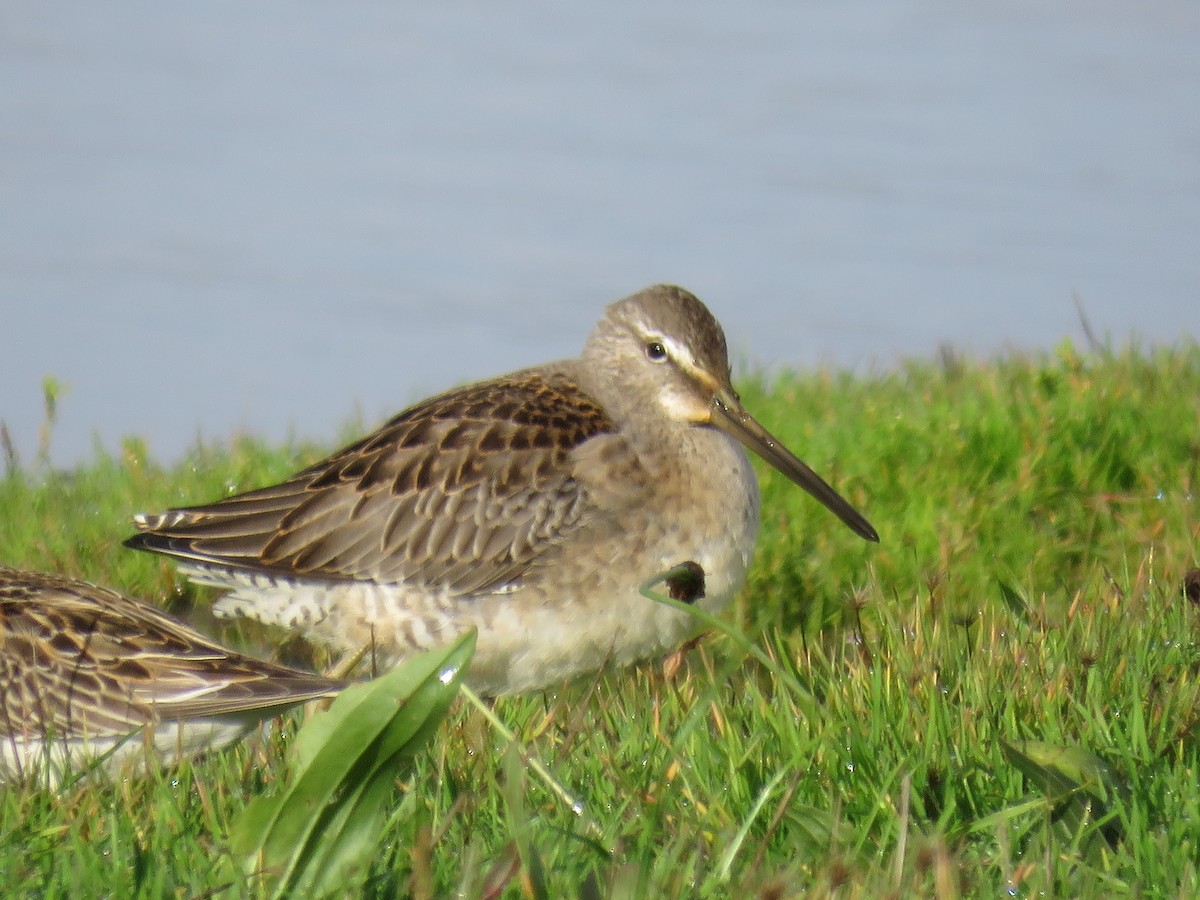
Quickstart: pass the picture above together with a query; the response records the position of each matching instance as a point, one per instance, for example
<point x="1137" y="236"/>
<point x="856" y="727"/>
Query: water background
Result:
<point x="272" y="217"/>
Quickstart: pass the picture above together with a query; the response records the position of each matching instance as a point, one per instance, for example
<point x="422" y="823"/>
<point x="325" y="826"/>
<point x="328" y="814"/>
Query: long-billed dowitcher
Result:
<point x="85" y="671"/>
<point x="532" y="507"/>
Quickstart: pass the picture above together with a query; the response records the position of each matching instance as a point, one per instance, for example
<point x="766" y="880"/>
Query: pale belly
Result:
<point x="162" y="742"/>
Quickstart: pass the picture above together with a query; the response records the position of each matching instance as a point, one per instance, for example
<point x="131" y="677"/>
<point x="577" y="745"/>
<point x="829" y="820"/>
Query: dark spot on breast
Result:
<point x="686" y="582"/>
<point x="1191" y="585"/>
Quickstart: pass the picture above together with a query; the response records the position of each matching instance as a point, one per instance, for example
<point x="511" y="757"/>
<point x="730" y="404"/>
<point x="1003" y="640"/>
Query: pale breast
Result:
<point x="584" y="609"/>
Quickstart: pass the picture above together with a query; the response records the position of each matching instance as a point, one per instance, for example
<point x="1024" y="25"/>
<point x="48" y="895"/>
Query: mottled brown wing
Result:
<point x="459" y="494"/>
<point x="47" y="687"/>
<point x="77" y="660"/>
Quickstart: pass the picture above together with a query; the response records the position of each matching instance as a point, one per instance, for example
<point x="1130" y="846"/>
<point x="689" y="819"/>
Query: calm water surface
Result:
<point x="275" y="216"/>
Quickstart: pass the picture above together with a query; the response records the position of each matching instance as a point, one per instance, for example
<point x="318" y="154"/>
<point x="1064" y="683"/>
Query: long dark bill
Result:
<point x="730" y="417"/>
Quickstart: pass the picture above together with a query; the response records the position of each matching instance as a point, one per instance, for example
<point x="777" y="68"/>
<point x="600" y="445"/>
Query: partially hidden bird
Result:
<point x="90" y="678"/>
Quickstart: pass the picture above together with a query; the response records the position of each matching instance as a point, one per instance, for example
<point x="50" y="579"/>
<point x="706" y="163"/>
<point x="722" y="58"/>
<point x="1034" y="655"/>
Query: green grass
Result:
<point x="999" y="699"/>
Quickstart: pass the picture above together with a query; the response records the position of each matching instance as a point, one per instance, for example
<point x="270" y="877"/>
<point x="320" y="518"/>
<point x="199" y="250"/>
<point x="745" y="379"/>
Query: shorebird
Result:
<point x="85" y="672"/>
<point x="531" y="507"/>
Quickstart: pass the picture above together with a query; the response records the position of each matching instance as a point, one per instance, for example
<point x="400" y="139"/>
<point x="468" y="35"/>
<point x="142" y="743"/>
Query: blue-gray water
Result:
<point x="274" y="216"/>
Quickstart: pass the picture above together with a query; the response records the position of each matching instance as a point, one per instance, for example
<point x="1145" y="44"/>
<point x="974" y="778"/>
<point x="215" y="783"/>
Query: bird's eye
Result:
<point x="656" y="351"/>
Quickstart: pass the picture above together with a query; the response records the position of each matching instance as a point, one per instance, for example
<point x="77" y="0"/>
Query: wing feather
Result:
<point x="459" y="493"/>
<point x="82" y="661"/>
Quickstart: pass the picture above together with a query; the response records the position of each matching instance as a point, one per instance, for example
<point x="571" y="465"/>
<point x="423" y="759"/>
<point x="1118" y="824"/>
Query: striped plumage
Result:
<point x="84" y="670"/>
<point x="532" y="507"/>
<point x="461" y="493"/>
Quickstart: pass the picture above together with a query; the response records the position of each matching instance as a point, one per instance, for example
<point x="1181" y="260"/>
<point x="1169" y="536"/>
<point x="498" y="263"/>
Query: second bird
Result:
<point x="532" y="507"/>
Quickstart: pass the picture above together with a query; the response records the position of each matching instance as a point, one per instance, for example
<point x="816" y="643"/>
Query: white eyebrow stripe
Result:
<point x="678" y="351"/>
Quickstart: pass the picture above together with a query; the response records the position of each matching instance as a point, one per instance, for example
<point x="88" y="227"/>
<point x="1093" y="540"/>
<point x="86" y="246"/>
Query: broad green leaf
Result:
<point x="346" y="761"/>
